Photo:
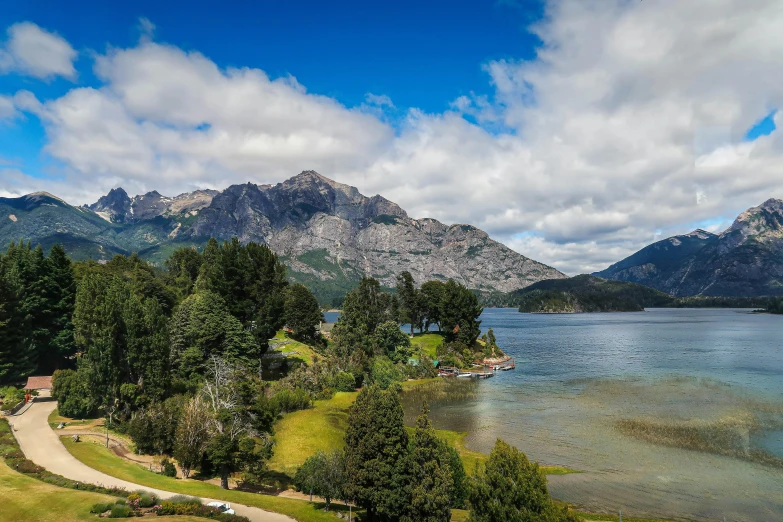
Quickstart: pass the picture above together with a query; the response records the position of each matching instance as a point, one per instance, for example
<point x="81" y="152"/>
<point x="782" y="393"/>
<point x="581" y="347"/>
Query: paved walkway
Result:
<point x="41" y="445"/>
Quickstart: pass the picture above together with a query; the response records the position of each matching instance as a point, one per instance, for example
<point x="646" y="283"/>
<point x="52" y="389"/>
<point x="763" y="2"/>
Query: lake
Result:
<point x="668" y="412"/>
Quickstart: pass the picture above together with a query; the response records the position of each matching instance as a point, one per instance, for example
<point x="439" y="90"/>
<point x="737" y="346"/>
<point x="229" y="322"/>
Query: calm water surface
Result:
<point x="669" y="412"/>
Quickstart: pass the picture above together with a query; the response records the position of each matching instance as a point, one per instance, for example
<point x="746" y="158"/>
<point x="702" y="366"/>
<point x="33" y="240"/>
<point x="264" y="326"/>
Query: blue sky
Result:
<point x="575" y="131"/>
<point x="420" y="54"/>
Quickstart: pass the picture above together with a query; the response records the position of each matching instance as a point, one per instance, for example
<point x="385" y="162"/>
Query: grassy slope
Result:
<point x="98" y="457"/>
<point x="427" y="343"/>
<point x="304" y="352"/>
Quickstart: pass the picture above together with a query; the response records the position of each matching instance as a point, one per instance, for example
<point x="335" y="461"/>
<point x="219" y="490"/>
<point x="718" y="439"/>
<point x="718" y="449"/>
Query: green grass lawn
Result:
<point x="301" y="434"/>
<point x="24" y="499"/>
<point x="427" y="343"/>
<point x="98" y="457"/>
<point x="304" y="352"/>
<point x="55" y="419"/>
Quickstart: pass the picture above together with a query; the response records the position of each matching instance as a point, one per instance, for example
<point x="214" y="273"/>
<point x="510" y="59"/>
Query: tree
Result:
<point x="459" y="489"/>
<point x="17" y="359"/>
<point x="322" y="474"/>
<point x="70" y="390"/>
<point x="384" y="373"/>
<point x="411" y="301"/>
<point x="251" y="280"/>
<point x="432" y="299"/>
<point x="365" y="307"/>
<point x="460" y="311"/>
<point x="153" y="429"/>
<point x="192" y="434"/>
<point x="125" y="342"/>
<point x="183" y="269"/>
<point x="390" y="341"/>
<point x="430" y="475"/>
<point x="201" y="328"/>
<point x="228" y="422"/>
<point x="509" y="488"/>
<point x="61" y="292"/>
<point x="376" y="451"/>
<point x="302" y="313"/>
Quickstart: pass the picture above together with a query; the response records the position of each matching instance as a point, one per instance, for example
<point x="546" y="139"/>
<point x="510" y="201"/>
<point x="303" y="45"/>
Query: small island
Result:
<point x="587" y="293"/>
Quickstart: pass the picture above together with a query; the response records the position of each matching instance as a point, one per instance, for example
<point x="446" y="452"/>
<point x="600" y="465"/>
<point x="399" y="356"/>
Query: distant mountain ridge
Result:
<point x="745" y="261"/>
<point x="328" y="233"/>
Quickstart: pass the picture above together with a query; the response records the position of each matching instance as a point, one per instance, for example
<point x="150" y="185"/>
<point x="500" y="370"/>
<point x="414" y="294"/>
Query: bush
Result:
<point x="184" y="499"/>
<point x="286" y="401"/>
<point x="384" y="373"/>
<point x="169" y="469"/>
<point x="344" y="382"/>
<point x="11" y="397"/>
<point x="119" y="511"/>
<point x="147" y="500"/>
<point x="100" y="507"/>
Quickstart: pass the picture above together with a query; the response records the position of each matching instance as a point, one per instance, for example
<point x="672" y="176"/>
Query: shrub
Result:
<point x="183" y="499"/>
<point x="147" y="500"/>
<point x="286" y="401"/>
<point x="100" y="507"/>
<point x="119" y="511"/>
<point x="384" y="373"/>
<point x="344" y="382"/>
<point x="169" y="469"/>
<point x="72" y="393"/>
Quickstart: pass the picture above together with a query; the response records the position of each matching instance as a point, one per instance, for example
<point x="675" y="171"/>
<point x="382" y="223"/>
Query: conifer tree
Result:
<point x="17" y="360"/>
<point x="376" y="454"/>
<point x="411" y="300"/>
<point x="430" y="475"/>
<point x="302" y="313"/>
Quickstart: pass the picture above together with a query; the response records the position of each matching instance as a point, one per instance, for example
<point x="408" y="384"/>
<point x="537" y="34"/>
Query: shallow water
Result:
<point x="670" y="412"/>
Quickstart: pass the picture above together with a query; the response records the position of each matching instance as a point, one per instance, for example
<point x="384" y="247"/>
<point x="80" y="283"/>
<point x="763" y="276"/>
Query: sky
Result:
<point x="574" y="131"/>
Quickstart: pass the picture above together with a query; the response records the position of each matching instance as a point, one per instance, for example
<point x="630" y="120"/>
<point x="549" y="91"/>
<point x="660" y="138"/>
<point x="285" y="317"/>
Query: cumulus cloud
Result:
<point x="36" y="52"/>
<point x="627" y="127"/>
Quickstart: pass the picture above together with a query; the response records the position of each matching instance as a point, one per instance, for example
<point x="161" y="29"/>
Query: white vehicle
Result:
<point x="222" y="506"/>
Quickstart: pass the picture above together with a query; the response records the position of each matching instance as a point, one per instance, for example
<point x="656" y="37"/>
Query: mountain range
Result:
<point x="328" y="234"/>
<point x="746" y="260"/>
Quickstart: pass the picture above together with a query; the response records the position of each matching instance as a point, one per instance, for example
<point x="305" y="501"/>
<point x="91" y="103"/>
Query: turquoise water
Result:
<point x="669" y="412"/>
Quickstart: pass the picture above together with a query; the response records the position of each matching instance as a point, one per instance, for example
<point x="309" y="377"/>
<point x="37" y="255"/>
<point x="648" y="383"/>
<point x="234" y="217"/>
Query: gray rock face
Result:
<point x="118" y="207"/>
<point x="745" y="260"/>
<point x="329" y="231"/>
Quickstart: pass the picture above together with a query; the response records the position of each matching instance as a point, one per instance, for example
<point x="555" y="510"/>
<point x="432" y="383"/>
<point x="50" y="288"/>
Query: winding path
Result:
<point x="41" y="445"/>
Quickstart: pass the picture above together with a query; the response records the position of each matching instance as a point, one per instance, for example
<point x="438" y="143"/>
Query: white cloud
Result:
<point x="627" y="127"/>
<point x="36" y="52"/>
<point x="7" y="109"/>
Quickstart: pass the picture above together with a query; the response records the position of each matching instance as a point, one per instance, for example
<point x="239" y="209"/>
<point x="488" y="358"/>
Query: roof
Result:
<point x="39" y="383"/>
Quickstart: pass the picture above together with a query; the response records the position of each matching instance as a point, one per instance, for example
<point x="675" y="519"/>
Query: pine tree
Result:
<point x="460" y="311"/>
<point x="364" y="308"/>
<point x="302" y="313"/>
<point x="411" y="310"/>
<point x="509" y="488"/>
<point x="376" y="454"/>
<point x="60" y="291"/>
<point x="17" y="360"/>
<point x="430" y="475"/>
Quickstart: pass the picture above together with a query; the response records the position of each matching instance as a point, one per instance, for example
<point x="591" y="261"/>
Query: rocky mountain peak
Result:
<point x="761" y="222"/>
<point x="114" y="206"/>
<point x="701" y="234"/>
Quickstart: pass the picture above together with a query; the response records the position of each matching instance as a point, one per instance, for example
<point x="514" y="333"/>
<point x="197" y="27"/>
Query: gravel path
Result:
<point x="42" y="445"/>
